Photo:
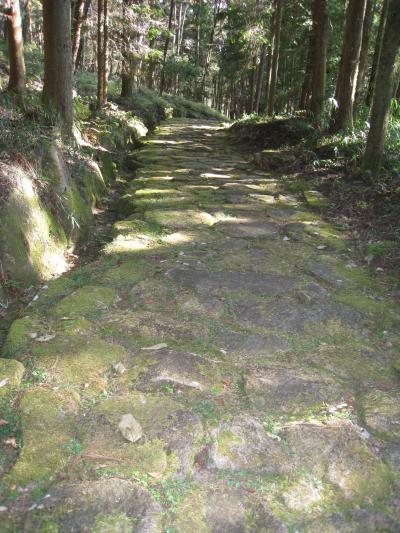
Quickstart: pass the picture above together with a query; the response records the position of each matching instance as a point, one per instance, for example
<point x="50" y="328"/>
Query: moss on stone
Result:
<point x="190" y="514"/>
<point x="48" y="421"/>
<point x="12" y="371"/>
<point x="118" y="523"/>
<point x="19" y="337"/>
<point x="78" y="360"/>
<point x="86" y="301"/>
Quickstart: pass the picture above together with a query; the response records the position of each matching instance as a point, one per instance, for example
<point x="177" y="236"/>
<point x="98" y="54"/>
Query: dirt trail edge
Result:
<point x="223" y="366"/>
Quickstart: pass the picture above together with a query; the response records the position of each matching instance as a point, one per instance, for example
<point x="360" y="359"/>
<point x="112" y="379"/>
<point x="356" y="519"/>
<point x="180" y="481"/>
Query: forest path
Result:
<point x="255" y="361"/>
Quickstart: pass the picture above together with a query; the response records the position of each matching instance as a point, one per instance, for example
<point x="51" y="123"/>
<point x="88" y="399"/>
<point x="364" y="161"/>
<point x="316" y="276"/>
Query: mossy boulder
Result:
<point x="86" y="301"/>
<point x="32" y="241"/>
<point x="78" y="360"/>
<point x="48" y="421"/>
<point x="382" y="413"/>
<point x="20" y="337"/>
<point x="11" y="373"/>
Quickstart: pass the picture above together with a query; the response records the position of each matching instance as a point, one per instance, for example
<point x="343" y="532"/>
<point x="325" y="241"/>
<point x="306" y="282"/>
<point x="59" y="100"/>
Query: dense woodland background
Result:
<point x="331" y="67"/>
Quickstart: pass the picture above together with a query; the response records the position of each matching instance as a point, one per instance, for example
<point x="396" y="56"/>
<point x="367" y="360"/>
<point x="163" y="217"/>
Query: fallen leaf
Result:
<point x="3" y="422"/>
<point x="12" y="442"/>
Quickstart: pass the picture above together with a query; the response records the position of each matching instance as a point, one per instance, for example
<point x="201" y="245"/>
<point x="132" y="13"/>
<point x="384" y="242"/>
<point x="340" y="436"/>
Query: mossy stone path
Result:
<point x="232" y="323"/>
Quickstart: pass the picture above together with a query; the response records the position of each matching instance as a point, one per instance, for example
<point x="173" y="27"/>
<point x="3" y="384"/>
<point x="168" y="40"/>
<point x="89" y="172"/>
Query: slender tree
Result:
<point x="57" y="87"/>
<point x="27" y="22"/>
<point x="342" y="116"/>
<point x="377" y="52"/>
<point x="320" y="44"/>
<point x="102" y="52"/>
<point x="363" y="64"/>
<point x="15" y="48"/>
<point x="166" y="46"/>
<point x="275" y="56"/>
<point x="76" y="29"/>
<point x="385" y="82"/>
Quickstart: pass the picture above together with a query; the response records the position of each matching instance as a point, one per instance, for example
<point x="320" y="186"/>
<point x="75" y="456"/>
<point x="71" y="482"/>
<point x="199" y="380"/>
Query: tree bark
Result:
<point x="342" y="115"/>
<point x="102" y="52"/>
<point x="383" y="93"/>
<point x="362" y="69"/>
<point x="27" y="22"/>
<point x="166" y="46"/>
<point x="260" y="78"/>
<point x="76" y="29"/>
<point x="320" y="45"/>
<point x="57" y="87"/>
<point x="275" y="56"/>
<point x="217" y="7"/>
<point x="377" y="51"/>
<point x="306" y="87"/>
<point x="16" y="80"/>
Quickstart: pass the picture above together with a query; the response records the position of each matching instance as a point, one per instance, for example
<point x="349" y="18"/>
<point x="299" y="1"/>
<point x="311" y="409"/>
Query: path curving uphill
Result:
<point x="223" y="366"/>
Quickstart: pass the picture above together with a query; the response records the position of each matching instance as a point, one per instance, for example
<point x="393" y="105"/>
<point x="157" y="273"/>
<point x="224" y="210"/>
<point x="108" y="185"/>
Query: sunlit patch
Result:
<point x="211" y="175"/>
<point x="123" y="244"/>
<point x="156" y="192"/>
<point x="178" y="237"/>
<point x="265" y="198"/>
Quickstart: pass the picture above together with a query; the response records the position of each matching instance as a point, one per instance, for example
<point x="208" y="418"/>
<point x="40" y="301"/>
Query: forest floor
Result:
<point x="224" y="365"/>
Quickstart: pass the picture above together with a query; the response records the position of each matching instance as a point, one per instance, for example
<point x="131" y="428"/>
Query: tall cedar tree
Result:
<point x="102" y="52"/>
<point x="363" y="64"/>
<point x="57" y="87"/>
<point x="320" y="44"/>
<point x="342" y="116"/>
<point x="15" y="48"/>
<point x="77" y="28"/>
<point x="166" y="46"/>
<point x="377" y="52"/>
<point x="384" y="88"/>
<point x="275" y="56"/>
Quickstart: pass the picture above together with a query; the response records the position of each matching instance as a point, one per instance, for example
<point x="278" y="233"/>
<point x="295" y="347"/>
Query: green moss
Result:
<point x="48" y="420"/>
<point x="86" y="301"/>
<point x="384" y="313"/>
<point x="225" y="442"/>
<point x="316" y="199"/>
<point x="78" y="360"/>
<point x="328" y="236"/>
<point x="145" y="408"/>
<point x="19" y="337"/>
<point x="190" y="514"/>
<point x="94" y="184"/>
<point x="118" y="523"/>
<point x="32" y="245"/>
<point x="12" y="371"/>
<point x="49" y="526"/>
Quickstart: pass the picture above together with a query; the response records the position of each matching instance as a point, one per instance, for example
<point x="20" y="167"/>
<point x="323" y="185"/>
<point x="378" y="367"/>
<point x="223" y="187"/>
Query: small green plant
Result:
<point x="74" y="446"/>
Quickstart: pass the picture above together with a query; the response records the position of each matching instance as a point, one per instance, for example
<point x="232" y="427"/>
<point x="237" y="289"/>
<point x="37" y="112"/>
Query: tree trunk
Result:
<point x="57" y="87"/>
<point x="81" y="45"/>
<point x="385" y="80"/>
<point x="217" y="7"/>
<point x="320" y="44"/>
<point x="362" y="69"/>
<point x="76" y="29"/>
<point x="27" y="22"/>
<point x="306" y="87"/>
<point x="377" y="51"/>
<point x="166" y="45"/>
<point x="342" y="116"/>
<point x="260" y="78"/>
<point x="16" y="80"/>
<point x="102" y="52"/>
<point x="275" y="56"/>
